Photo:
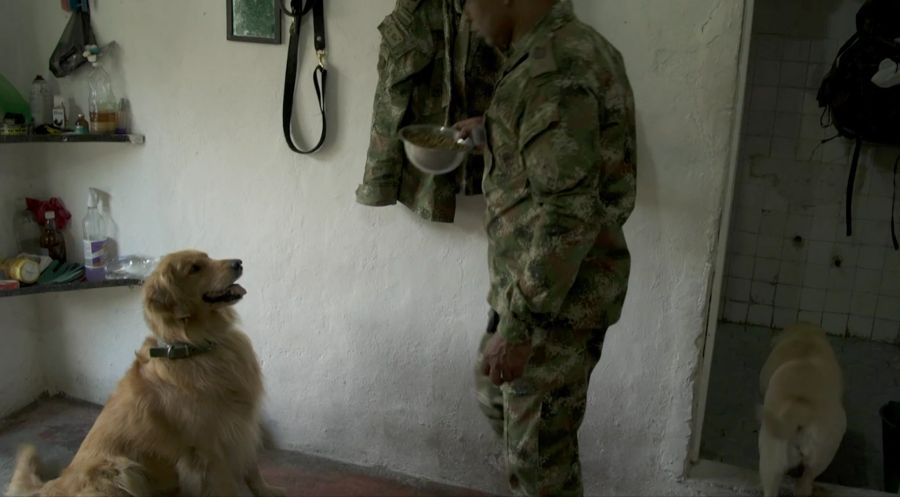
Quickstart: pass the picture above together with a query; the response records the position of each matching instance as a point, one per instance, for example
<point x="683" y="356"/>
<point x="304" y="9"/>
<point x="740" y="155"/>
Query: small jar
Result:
<point x="81" y="125"/>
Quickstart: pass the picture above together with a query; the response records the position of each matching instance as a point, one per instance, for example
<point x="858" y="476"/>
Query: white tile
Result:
<point x="819" y="252"/>
<point x="766" y="73"/>
<point x="860" y="326"/>
<point x="863" y="304"/>
<point x="812" y="299"/>
<point x="775" y="201"/>
<point x="740" y="266"/>
<point x="845" y="254"/>
<point x="815" y="276"/>
<point x="736" y="312"/>
<point x="892" y="261"/>
<point x="756" y="146"/>
<point x="738" y="290"/>
<point x="871" y="257"/>
<point x="867" y="280"/>
<point x="838" y="301"/>
<point x="835" y="323"/>
<point x="794" y="253"/>
<point x="772" y="223"/>
<point x="811" y="106"/>
<point x="747" y="220"/>
<point x="888" y="308"/>
<point x="811" y="129"/>
<point x="827" y="210"/>
<point x="869" y="232"/>
<point x="841" y="278"/>
<point x="798" y="225"/>
<point x="875" y="209"/>
<point x="822" y="51"/>
<point x="742" y="243"/>
<point x="791" y="273"/>
<point x="836" y="151"/>
<point x="784" y="317"/>
<point x="823" y="229"/>
<point x="809" y="150"/>
<point x="793" y="75"/>
<point x="788" y="100"/>
<point x="769" y="247"/>
<point x="783" y="147"/>
<point x="769" y="47"/>
<point x="764" y="98"/>
<point x="886" y="330"/>
<point x="762" y="293"/>
<point x="796" y="50"/>
<point x="810" y="317"/>
<point x="766" y="270"/>
<point x="760" y="314"/>
<point x="760" y="123"/>
<point x="815" y="73"/>
<point x="787" y="296"/>
<point x="890" y="284"/>
<point x="787" y="125"/>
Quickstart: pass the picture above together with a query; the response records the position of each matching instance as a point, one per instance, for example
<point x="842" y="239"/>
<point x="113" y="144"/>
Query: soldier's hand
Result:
<point x="504" y="361"/>
<point x="474" y="128"/>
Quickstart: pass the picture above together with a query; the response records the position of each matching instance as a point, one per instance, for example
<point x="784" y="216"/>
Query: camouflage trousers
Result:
<point x="538" y="415"/>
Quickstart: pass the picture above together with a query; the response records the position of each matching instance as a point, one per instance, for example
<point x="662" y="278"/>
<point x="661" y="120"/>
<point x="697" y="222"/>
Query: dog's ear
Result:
<point x="161" y="297"/>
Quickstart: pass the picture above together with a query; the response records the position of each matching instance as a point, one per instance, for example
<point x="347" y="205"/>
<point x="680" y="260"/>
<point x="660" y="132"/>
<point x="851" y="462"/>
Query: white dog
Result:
<point x="803" y="419"/>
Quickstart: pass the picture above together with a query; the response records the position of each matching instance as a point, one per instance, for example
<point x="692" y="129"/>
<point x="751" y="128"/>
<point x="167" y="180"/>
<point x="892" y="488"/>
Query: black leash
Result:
<point x="298" y="9"/>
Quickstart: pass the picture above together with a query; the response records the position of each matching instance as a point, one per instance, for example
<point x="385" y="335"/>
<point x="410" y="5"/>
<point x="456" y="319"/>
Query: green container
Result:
<point x="11" y="100"/>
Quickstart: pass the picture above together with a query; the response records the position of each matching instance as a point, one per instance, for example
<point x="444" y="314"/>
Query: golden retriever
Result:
<point x="185" y="418"/>
<point x="803" y="418"/>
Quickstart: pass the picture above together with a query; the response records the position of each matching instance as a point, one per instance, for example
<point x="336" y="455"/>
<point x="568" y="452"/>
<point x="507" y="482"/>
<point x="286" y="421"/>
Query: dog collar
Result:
<point x="180" y="350"/>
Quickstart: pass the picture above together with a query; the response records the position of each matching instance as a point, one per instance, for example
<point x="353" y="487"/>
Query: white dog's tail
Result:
<point x="25" y="480"/>
<point x="785" y="423"/>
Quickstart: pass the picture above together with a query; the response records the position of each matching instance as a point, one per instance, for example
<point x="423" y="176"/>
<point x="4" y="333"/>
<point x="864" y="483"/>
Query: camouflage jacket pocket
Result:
<point x="536" y="120"/>
<point x="407" y="48"/>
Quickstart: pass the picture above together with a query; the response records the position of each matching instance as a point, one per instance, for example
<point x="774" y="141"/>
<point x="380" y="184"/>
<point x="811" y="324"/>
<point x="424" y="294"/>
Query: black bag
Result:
<point x="67" y="56"/>
<point x="857" y="108"/>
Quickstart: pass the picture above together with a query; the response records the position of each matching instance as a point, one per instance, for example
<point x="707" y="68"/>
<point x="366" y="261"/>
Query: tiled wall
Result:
<point x="789" y="258"/>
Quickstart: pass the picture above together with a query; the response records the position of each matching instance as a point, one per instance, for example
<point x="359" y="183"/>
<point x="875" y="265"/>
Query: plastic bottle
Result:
<point x="102" y="102"/>
<point x="51" y="239"/>
<point x="94" y="239"/>
<point x="40" y="102"/>
<point x="27" y="232"/>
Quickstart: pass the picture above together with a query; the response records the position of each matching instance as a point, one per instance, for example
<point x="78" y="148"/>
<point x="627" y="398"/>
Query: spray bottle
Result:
<point x="94" y="226"/>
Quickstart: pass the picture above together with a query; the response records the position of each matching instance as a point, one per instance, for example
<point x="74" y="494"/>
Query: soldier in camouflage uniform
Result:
<point x="559" y="183"/>
<point x="432" y="70"/>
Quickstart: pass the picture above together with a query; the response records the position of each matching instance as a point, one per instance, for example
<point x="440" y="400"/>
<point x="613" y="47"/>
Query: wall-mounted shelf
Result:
<point x="72" y="138"/>
<point x="68" y="287"/>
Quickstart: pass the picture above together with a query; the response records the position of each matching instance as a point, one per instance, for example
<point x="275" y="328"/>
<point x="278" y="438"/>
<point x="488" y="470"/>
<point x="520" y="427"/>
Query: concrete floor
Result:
<point x="871" y="376"/>
<point x="58" y="425"/>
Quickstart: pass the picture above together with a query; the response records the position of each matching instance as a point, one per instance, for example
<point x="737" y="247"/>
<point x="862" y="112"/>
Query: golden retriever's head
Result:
<point x="188" y="283"/>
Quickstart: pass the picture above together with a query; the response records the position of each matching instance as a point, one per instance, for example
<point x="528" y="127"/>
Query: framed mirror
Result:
<point x="256" y="21"/>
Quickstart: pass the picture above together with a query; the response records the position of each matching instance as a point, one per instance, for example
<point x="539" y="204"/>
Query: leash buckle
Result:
<point x="321" y="55"/>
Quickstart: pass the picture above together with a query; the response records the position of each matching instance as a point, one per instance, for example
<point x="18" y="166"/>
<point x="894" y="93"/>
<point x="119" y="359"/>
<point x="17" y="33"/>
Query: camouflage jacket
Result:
<point x="559" y="179"/>
<point x="431" y="69"/>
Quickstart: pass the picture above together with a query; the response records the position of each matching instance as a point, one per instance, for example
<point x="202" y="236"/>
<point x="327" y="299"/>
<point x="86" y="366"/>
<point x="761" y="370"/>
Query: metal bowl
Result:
<point x="434" y="160"/>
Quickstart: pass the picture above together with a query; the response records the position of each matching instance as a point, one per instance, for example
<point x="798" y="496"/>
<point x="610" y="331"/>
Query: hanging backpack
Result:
<point x="858" y="108"/>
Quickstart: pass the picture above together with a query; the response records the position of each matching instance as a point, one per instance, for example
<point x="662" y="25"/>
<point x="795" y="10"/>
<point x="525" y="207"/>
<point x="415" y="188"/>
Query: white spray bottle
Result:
<point x="94" y="226"/>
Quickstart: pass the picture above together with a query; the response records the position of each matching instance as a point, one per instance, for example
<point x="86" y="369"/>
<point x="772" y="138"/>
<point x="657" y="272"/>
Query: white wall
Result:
<point x="366" y="320"/>
<point x="21" y="376"/>
<point x="790" y="185"/>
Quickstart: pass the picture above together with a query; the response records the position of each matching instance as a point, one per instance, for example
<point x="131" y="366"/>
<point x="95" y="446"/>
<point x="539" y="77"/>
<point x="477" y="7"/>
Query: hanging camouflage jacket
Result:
<point x="560" y="180"/>
<point x="432" y="69"/>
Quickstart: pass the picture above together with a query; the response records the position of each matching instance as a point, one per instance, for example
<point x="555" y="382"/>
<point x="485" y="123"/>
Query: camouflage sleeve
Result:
<point x="577" y="153"/>
<point x="406" y="49"/>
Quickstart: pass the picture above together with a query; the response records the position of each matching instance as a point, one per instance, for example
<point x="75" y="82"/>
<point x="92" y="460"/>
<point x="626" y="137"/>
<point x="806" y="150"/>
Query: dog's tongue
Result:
<point x="237" y="290"/>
